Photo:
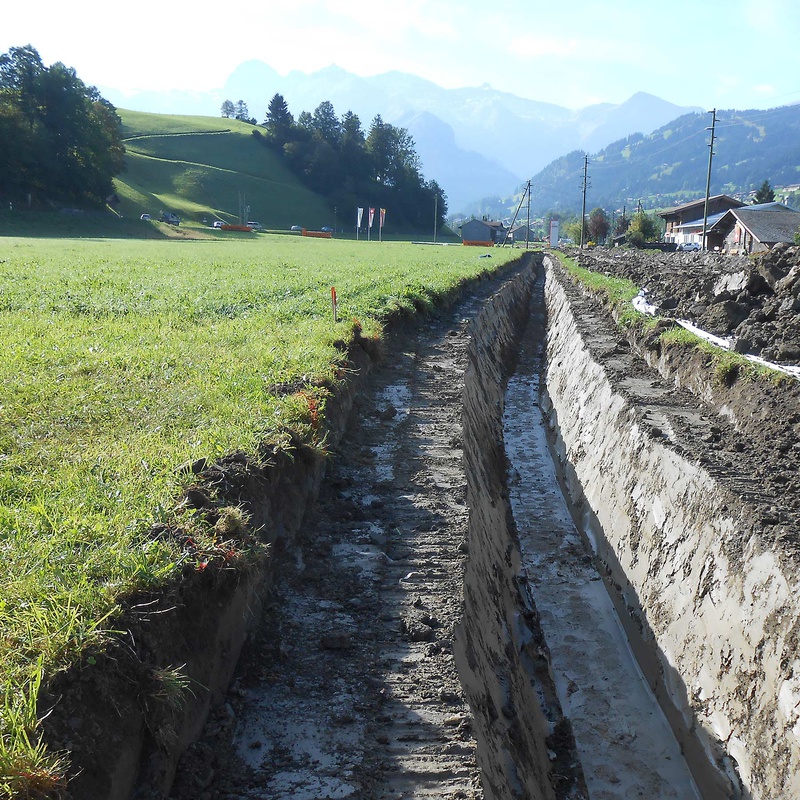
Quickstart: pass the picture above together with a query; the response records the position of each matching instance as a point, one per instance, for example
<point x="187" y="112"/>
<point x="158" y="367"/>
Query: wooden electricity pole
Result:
<point x="583" y="207"/>
<point x="713" y="113"/>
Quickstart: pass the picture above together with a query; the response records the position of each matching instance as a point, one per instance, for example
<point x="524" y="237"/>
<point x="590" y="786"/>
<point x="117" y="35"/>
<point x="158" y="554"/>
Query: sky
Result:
<point x="711" y="53"/>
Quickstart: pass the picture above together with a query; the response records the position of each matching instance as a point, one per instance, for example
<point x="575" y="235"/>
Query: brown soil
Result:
<point x="753" y="300"/>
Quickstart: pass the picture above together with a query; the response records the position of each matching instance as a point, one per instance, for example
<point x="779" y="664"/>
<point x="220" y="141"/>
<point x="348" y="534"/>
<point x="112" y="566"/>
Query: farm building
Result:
<point x="522" y="234"/>
<point x="478" y="231"/>
<point x="753" y="229"/>
<point x="685" y="222"/>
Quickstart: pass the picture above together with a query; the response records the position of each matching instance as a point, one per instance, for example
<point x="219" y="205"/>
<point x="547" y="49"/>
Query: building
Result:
<point x="754" y="229"/>
<point x="481" y="232"/>
<point x="522" y="234"/>
<point x="684" y="223"/>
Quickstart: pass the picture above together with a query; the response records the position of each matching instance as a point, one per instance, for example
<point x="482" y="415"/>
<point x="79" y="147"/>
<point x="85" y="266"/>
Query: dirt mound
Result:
<point x="754" y="301"/>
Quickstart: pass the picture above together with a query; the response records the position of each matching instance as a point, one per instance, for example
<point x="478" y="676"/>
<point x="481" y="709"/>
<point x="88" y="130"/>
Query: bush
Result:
<point x="635" y="238"/>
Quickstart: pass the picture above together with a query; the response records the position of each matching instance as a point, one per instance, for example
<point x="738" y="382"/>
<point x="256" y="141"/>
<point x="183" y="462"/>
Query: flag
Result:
<point x="383" y="216"/>
<point x="360" y="214"/>
<point x="371" y="216"/>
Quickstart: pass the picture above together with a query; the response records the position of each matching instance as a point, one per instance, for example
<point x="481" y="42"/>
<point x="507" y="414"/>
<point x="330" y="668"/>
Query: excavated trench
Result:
<point x="519" y="580"/>
<point x="707" y="604"/>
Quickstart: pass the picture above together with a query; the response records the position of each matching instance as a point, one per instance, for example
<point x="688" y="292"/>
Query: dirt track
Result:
<point x="349" y="688"/>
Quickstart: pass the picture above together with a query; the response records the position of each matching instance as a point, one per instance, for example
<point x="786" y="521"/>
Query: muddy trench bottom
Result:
<point x="626" y="747"/>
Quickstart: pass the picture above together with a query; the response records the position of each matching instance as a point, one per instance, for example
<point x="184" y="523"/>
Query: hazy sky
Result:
<point x="724" y="53"/>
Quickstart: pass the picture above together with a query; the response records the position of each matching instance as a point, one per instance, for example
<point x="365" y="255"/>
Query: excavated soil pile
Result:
<point x="753" y="300"/>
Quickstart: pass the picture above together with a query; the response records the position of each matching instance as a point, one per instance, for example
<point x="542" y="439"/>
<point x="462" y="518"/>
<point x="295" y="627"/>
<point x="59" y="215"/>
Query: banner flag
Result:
<point x="383" y="216"/>
<point x="371" y="216"/>
<point x="360" y="214"/>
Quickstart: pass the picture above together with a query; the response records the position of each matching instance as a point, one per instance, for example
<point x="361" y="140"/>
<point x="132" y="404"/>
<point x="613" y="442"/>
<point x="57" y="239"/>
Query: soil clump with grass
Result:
<point x="752" y="300"/>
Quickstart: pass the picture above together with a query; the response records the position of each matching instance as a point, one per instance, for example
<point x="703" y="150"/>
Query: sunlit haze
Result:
<point x="715" y="53"/>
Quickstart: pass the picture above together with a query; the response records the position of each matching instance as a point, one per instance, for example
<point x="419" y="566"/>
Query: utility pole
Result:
<point x="528" y="228"/>
<point x="435" y="214"/>
<point x="713" y="113"/>
<point x="583" y="207"/>
<point x="516" y="213"/>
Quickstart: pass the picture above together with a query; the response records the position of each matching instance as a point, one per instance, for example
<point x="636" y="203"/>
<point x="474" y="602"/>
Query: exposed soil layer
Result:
<point x="624" y="741"/>
<point x="685" y="484"/>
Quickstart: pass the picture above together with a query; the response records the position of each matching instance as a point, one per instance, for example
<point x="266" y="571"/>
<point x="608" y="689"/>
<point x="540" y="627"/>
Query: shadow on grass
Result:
<point x="89" y="225"/>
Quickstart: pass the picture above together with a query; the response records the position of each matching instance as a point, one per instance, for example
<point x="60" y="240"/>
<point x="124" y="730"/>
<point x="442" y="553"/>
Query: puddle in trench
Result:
<point x="626" y="747"/>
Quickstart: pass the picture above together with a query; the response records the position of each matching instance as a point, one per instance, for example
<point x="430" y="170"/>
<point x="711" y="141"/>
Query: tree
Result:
<point x="598" y="225"/>
<point x="242" y="112"/>
<point x="21" y="71"/>
<point x="379" y="148"/>
<point x="765" y="194"/>
<point x="623" y="223"/>
<point x="439" y="203"/>
<point x="228" y="109"/>
<point x="65" y="139"/>
<point x="326" y="124"/>
<point x="642" y="228"/>
<point x="279" y="121"/>
<point x="571" y="230"/>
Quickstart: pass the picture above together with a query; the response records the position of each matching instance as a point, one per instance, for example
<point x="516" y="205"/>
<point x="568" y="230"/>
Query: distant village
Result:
<point x="735" y="224"/>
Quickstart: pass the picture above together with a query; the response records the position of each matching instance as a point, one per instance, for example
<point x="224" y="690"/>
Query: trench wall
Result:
<point x="525" y="746"/>
<point x="712" y="611"/>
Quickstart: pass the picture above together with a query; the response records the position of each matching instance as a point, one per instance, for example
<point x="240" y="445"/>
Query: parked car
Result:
<point x="688" y="246"/>
<point x="256" y="226"/>
<point x="296" y="228"/>
<point x="218" y="223"/>
<point x="145" y="217"/>
<point x="326" y="229"/>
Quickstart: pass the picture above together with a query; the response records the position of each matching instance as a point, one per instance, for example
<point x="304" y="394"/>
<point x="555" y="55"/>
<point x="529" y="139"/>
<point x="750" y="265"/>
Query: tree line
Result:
<point x="60" y="141"/>
<point x="350" y="167"/>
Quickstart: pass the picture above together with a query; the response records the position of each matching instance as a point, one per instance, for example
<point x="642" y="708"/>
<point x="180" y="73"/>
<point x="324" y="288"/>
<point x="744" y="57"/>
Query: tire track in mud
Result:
<point x="349" y="686"/>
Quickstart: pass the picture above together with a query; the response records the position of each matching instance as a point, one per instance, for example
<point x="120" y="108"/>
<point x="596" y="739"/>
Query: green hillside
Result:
<point x="199" y="167"/>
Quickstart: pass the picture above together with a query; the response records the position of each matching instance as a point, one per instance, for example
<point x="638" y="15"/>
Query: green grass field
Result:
<point x="198" y="166"/>
<point x="124" y="359"/>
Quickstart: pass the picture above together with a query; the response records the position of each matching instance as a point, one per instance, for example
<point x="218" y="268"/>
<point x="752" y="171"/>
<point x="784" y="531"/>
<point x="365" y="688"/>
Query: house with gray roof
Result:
<point x="482" y="232"/>
<point x="522" y="234"/>
<point x="754" y="229"/>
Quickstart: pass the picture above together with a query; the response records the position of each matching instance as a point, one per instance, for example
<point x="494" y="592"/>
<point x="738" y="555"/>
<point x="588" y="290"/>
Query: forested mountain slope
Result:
<point x="670" y="165"/>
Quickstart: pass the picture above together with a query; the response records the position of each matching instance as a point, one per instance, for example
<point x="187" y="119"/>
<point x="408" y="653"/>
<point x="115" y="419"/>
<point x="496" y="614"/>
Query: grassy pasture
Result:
<point x="197" y="166"/>
<point x="124" y="359"/>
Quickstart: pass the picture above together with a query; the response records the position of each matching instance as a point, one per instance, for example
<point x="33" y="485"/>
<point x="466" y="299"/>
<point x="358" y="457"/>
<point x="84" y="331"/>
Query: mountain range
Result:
<point x="475" y="142"/>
